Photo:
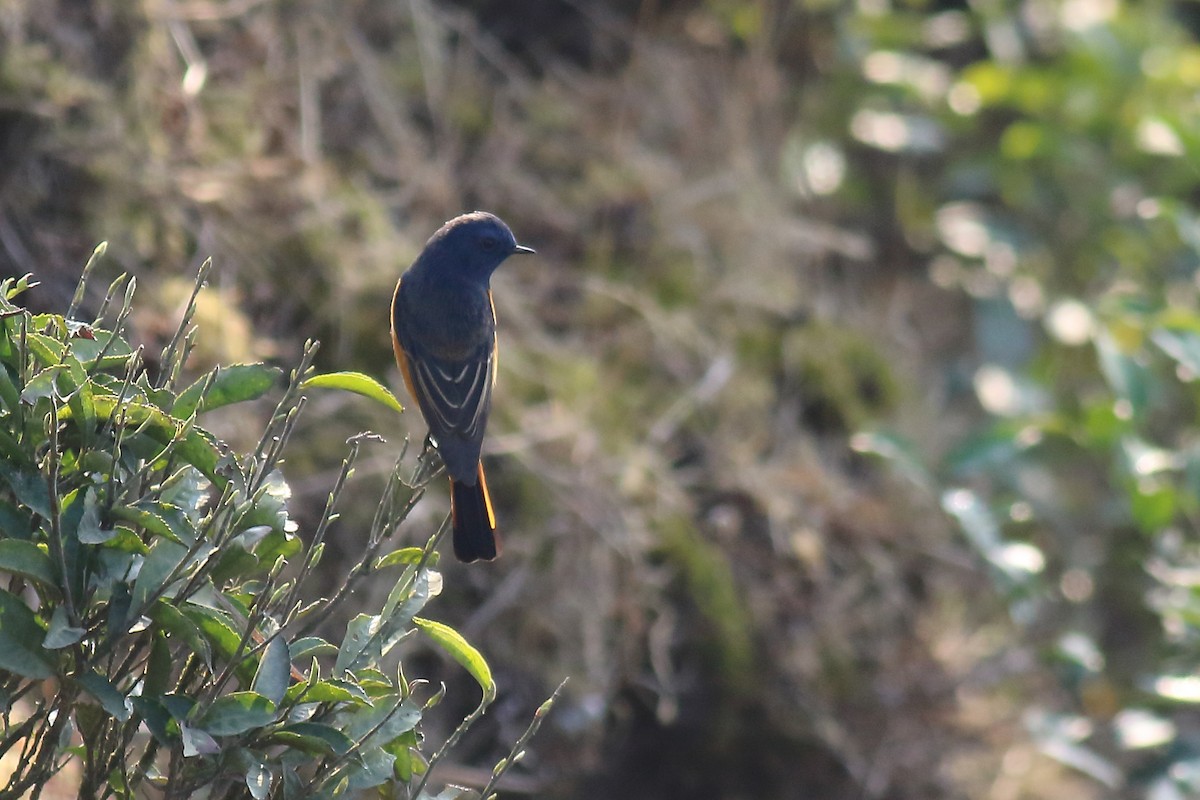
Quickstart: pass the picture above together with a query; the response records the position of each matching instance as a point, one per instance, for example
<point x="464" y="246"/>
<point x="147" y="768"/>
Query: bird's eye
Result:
<point x="489" y="242"/>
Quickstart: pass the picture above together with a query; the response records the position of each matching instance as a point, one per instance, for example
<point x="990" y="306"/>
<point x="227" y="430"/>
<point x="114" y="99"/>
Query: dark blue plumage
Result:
<point x="444" y="338"/>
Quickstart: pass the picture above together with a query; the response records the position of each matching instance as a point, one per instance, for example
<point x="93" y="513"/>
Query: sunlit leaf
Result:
<point x="160" y="519"/>
<point x="405" y="556"/>
<point x="458" y="648"/>
<point x="236" y="383"/>
<point x="358" y="383"/>
<point x="322" y="692"/>
<point x="194" y="445"/>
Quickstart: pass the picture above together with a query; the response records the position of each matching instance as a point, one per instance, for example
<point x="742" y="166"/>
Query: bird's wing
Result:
<point x="454" y="395"/>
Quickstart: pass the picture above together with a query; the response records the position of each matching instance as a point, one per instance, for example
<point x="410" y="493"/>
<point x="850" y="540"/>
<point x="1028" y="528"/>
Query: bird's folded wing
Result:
<point x="455" y="395"/>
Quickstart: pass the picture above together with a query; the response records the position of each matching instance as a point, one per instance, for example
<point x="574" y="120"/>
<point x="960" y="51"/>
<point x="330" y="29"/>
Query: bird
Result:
<point x="443" y="325"/>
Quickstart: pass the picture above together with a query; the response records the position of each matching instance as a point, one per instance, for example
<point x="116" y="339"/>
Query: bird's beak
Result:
<point x="523" y="249"/>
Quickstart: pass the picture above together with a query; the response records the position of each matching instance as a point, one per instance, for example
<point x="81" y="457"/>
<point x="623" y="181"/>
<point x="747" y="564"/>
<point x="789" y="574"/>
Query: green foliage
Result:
<point x="710" y="585"/>
<point x="1063" y="209"/>
<point x="720" y="190"/>
<point x="155" y="629"/>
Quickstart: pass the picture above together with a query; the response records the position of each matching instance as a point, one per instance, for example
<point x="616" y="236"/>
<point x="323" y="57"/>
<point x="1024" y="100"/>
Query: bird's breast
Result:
<point x="454" y="319"/>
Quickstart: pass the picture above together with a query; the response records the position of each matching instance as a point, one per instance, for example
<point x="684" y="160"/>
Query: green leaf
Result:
<point x="12" y="452"/>
<point x="197" y="742"/>
<point x="48" y="352"/>
<point x="20" y="638"/>
<point x="358" y="383"/>
<point x="195" y="446"/>
<point x="124" y="540"/>
<point x="405" y="556"/>
<point x="13" y="287"/>
<point x="16" y="523"/>
<point x="360" y="634"/>
<point x="269" y="507"/>
<point x="274" y="671"/>
<point x="29" y="487"/>
<point x="233" y="384"/>
<point x="83" y="408"/>
<point x="461" y="651"/>
<point x="374" y="726"/>
<point x="9" y="395"/>
<point x="164" y="556"/>
<point x="372" y="768"/>
<point x="321" y="692"/>
<point x="350" y="685"/>
<point x="159" y="665"/>
<point x="216" y="627"/>
<point x="236" y="713"/>
<point x="161" y="519"/>
<point x="235" y="562"/>
<point x="43" y="385"/>
<point x="180" y="706"/>
<point x="154" y="713"/>
<point x="374" y="682"/>
<point x="61" y="633"/>
<point x="109" y="696"/>
<point x="173" y="621"/>
<point x="258" y="777"/>
<point x="116" y="780"/>
<point x="997" y="448"/>
<point x="88" y="351"/>
<point x="1153" y="504"/>
<point x="28" y="560"/>
<point x="313" y="737"/>
<point x="407" y="597"/>
<point x="278" y="544"/>
<point x="90" y="530"/>
<point x="117" y="622"/>
<point x="303" y="649"/>
<point x="402" y="748"/>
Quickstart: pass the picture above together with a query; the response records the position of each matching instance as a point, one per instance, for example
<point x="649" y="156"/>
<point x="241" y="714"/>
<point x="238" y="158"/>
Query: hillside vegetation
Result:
<point x="844" y="438"/>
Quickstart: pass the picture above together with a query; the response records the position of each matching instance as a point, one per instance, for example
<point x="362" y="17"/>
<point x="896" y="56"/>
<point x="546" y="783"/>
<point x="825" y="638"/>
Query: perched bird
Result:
<point x="444" y="337"/>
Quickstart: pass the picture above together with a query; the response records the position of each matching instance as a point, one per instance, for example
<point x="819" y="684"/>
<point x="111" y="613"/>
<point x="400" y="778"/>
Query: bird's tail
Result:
<point x="473" y="520"/>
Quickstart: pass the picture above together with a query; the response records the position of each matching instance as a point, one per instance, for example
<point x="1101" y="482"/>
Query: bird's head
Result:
<point x="473" y="244"/>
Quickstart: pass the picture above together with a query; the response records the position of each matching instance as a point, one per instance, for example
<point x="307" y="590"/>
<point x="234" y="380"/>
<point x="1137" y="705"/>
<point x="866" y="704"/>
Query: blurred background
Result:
<point x="844" y="441"/>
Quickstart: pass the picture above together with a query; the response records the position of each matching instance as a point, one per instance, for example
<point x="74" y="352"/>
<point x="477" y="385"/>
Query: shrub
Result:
<point x="155" y="627"/>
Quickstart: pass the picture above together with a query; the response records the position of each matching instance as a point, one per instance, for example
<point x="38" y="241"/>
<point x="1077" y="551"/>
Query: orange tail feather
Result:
<point x="473" y="520"/>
